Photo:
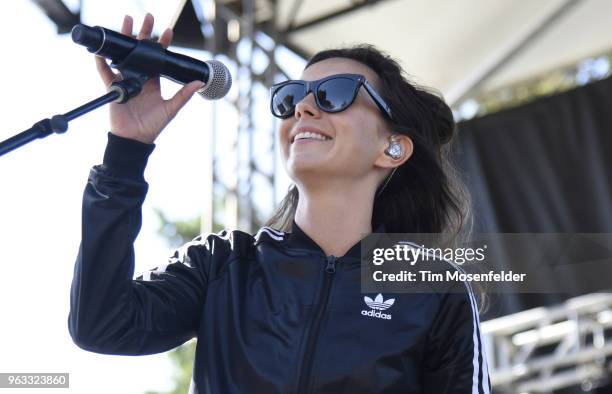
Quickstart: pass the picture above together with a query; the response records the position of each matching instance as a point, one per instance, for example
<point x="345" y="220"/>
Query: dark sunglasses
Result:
<point x="332" y="94"/>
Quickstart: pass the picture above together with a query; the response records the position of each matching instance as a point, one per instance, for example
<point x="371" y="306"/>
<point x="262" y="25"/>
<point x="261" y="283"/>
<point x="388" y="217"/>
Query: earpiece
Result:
<point x="395" y="149"/>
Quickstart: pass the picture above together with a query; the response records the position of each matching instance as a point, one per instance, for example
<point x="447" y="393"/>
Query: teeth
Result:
<point x="310" y="134"/>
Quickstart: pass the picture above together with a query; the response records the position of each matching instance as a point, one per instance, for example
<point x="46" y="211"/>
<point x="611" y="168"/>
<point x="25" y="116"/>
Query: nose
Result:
<point x="307" y="106"/>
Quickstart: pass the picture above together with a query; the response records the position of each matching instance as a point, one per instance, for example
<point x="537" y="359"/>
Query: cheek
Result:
<point x="284" y="127"/>
<point x="282" y="137"/>
<point x="361" y="137"/>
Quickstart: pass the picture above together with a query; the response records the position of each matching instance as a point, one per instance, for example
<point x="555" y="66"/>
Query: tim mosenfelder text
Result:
<point x="410" y="253"/>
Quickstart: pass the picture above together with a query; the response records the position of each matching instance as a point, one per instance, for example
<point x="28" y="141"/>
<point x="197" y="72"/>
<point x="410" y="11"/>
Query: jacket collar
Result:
<point x="298" y="238"/>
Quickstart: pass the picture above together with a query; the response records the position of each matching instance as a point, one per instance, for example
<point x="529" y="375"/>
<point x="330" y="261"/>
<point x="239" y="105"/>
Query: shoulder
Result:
<point x="270" y="235"/>
<point x="238" y="243"/>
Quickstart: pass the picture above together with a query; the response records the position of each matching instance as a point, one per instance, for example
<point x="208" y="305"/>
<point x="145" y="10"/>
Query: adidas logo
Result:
<point x="377" y="305"/>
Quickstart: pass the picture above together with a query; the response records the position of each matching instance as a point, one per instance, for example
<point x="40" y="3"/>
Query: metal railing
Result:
<point x="548" y="348"/>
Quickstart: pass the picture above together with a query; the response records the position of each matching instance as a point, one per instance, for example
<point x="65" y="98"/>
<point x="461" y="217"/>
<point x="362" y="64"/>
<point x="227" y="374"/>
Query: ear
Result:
<point x="386" y="161"/>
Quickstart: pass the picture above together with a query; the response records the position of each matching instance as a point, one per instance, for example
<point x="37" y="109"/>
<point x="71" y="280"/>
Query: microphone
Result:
<point x="151" y="59"/>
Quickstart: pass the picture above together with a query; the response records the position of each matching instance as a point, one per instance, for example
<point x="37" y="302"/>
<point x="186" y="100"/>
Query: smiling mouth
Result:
<point x="309" y="135"/>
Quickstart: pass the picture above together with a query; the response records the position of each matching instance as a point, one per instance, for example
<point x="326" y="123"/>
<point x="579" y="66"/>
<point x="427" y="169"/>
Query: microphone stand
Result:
<point x="120" y="91"/>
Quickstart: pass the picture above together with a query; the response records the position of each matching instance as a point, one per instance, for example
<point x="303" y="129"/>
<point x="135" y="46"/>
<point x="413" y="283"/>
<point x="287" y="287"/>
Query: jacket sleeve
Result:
<point x="455" y="358"/>
<point x="110" y="312"/>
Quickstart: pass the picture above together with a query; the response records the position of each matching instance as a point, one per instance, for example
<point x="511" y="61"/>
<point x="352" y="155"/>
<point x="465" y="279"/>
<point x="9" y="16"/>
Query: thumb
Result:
<point x="180" y="98"/>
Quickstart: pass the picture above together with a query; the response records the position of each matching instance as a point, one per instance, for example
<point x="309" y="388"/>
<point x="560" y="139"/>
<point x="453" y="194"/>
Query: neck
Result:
<point x="336" y="219"/>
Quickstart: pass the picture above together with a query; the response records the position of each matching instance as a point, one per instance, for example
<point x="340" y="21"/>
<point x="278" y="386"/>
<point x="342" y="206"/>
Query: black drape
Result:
<point x="543" y="167"/>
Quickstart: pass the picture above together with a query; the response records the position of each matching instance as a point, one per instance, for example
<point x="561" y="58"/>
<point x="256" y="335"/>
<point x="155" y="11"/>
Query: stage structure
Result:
<point x="243" y="169"/>
<point x="542" y="350"/>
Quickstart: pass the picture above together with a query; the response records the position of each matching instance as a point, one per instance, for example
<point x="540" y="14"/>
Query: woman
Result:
<point x="282" y="311"/>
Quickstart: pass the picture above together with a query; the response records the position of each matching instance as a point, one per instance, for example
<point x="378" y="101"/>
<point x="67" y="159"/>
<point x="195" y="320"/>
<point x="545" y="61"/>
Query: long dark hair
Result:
<point x="426" y="194"/>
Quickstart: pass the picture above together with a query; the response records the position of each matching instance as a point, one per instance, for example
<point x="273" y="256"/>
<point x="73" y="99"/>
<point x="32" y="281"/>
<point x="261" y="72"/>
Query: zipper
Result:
<point x="306" y="370"/>
<point x="330" y="268"/>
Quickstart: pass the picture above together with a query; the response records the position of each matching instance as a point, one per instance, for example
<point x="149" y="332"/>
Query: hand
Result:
<point x="143" y="117"/>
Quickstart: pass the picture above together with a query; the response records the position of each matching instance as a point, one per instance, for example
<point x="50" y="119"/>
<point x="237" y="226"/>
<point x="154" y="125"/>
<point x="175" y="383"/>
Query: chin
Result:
<point x="297" y="167"/>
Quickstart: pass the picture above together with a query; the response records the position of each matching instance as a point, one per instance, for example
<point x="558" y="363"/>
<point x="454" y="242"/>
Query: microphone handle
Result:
<point x="116" y="46"/>
<point x="184" y="69"/>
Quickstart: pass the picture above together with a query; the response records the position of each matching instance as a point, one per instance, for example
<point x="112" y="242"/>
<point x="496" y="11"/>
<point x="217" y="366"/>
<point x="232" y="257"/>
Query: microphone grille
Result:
<point x="219" y="81"/>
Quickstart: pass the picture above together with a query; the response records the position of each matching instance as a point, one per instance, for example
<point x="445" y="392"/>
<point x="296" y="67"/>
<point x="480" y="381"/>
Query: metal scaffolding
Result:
<point x="545" y="349"/>
<point x="244" y="34"/>
<point x="243" y="172"/>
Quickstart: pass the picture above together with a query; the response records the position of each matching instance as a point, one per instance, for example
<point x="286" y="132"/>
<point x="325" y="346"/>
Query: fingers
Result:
<point x="146" y="28"/>
<point x="181" y="97"/>
<point x="166" y="38"/>
<point x="128" y="25"/>
<point x="107" y="75"/>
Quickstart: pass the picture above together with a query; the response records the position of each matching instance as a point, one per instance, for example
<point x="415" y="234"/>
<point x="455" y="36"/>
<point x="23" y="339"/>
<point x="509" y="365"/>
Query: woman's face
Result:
<point x="358" y="134"/>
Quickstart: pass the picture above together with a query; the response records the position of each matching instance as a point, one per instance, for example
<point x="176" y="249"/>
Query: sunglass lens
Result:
<point x="336" y="94"/>
<point x="285" y="98"/>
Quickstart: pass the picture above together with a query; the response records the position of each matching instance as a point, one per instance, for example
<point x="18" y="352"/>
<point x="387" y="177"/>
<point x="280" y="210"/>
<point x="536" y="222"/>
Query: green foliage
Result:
<point x="178" y="233"/>
<point x="545" y="84"/>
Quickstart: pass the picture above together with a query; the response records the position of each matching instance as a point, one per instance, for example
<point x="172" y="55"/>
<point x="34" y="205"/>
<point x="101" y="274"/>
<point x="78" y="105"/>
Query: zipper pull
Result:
<point x="331" y="264"/>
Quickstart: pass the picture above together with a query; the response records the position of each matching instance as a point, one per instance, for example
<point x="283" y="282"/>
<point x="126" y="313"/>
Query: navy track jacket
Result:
<point x="271" y="312"/>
